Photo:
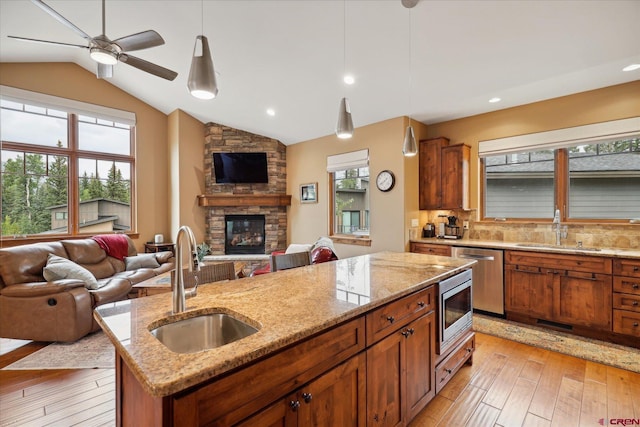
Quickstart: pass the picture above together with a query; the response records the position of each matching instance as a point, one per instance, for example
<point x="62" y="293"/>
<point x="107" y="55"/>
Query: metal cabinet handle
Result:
<point x="635" y="303"/>
<point x="307" y="397"/>
<point x="635" y="324"/>
<point x="448" y="371"/>
<point x="294" y="404"/>
<point x="635" y="285"/>
<point x="421" y="304"/>
<point x="636" y="268"/>
<point x="391" y="319"/>
<point x="405" y="333"/>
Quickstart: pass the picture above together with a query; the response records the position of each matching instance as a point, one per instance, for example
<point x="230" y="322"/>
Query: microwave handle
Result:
<point x="476" y="257"/>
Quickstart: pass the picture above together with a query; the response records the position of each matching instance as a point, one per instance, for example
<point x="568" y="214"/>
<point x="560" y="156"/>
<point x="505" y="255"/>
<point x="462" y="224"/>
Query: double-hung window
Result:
<point x="66" y="167"/>
<point x="589" y="173"/>
<point x="349" y="178"/>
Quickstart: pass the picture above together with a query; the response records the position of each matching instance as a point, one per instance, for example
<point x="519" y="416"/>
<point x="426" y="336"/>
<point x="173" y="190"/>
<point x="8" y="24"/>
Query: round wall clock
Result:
<point x="385" y="180"/>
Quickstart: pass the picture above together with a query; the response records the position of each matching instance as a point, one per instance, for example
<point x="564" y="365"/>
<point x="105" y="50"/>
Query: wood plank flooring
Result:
<point x="509" y="384"/>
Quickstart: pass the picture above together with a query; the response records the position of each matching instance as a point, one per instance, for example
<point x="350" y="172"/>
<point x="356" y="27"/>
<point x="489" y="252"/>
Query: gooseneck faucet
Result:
<point x="179" y="294"/>
<point x="558" y="226"/>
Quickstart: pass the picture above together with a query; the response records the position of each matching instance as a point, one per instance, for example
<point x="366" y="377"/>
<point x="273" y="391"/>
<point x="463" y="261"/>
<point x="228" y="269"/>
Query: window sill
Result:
<point x="345" y="239"/>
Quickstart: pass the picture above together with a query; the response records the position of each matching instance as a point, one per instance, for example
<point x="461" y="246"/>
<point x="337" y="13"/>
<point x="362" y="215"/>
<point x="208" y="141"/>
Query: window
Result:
<point x="587" y="177"/>
<point x="63" y="172"/>
<point x="349" y="202"/>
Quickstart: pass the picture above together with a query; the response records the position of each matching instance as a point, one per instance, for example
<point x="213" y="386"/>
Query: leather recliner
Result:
<point x="33" y="308"/>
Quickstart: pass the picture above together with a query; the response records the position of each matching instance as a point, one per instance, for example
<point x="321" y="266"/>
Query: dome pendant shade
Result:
<point x="202" y="78"/>
<point x="344" y="128"/>
<point x="409" y="147"/>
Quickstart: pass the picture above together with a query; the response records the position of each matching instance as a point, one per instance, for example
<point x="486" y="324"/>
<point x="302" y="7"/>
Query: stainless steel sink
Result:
<point x="544" y="245"/>
<point x="202" y="332"/>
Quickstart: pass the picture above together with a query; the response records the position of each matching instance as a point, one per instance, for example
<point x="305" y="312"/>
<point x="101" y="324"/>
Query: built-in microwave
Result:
<point x="455" y="309"/>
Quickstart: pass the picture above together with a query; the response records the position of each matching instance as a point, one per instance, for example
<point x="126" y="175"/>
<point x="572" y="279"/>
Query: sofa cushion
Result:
<point x="88" y="254"/>
<point x="141" y="261"/>
<point x="59" y="268"/>
<point x="323" y="251"/>
<point x="24" y="264"/>
<point x="298" y="247"/>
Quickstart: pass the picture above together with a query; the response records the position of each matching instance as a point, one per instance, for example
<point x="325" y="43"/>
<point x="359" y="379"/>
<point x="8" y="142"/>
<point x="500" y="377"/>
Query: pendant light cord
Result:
<point x="202" y="17"/>
<point x="410" y="66"/>
<point x="344" y="38"/>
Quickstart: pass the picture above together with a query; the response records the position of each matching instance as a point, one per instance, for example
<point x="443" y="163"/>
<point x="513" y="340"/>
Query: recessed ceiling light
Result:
<point x="631" y="67"/>
<point x="349" y="79"/>
<point x="271" y="112"/>
<point x="494" y="100"/>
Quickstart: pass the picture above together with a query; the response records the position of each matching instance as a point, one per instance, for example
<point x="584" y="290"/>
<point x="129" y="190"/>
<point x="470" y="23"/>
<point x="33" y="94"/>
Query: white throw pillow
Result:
<point x="297" y="247"/>
<point x="141" y="261"/>
<point x="59" y="268"/>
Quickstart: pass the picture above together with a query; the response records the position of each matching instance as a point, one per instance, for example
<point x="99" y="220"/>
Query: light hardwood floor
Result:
<point x="509" y="384"/>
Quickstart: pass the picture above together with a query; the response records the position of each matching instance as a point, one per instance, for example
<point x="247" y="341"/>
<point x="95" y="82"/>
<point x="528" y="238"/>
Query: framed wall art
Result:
<point x="309" y="193"/>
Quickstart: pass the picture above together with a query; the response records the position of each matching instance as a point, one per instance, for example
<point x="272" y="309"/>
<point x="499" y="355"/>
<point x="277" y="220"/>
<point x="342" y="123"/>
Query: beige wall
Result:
<point x="610" y="103"/>
<point x="73" y="82"/>
<point x="186" y="171"/>
<point x="390" y="212"/>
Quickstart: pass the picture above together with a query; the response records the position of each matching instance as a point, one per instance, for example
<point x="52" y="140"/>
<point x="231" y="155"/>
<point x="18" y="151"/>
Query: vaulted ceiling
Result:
<point x="437" y="61"/>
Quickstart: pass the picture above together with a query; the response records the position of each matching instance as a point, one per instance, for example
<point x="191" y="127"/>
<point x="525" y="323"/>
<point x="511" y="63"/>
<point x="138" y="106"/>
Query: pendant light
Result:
<point x="409" y="146"/>
<point x="202" y="78"/>
<point x="344" y="128"/>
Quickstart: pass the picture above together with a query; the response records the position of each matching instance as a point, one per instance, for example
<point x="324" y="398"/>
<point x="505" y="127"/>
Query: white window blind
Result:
<point x="69" y="105"/>
<point x="562" y="138"/>
<point x="351" y="160"/>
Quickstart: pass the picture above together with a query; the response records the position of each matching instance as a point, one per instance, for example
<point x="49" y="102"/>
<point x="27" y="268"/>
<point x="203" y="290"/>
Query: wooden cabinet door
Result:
<point x="279" y="414"/>
<point x="430" y="249"/>
<point x="420" y="365"/>
<point x="529" y="291"/>
<point x="430" y="175"/>
<point x="455" y="177"/>
<point x="385" y="382"/>
<point x="337" y="398"/>
<point x="583" y="299"/>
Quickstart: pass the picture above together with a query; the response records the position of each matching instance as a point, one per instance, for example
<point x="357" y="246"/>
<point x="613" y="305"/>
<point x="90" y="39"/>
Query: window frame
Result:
<point x="561" y="195"/>
<point x="347" y="239"/>
<point x="73" y="153"/>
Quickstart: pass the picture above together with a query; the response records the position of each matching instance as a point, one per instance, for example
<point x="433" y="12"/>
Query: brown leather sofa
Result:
<point x="33" y="308"/>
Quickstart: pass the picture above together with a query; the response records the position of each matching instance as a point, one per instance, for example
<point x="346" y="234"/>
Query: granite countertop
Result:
<point x="533" y="247"/>
<point x="287" y="306"/>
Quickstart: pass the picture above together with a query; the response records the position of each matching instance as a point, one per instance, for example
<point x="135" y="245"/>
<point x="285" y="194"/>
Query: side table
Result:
<point x="158" y="247"/>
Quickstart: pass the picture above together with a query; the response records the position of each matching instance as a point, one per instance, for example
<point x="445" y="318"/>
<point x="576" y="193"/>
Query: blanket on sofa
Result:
<point x="115" y="245"/>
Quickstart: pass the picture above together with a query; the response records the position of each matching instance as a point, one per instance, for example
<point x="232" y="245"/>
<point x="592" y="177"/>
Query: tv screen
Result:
<point x="239" y="168"/>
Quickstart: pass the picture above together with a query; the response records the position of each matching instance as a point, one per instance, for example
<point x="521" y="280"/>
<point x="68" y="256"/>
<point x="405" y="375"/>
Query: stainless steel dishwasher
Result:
<point x="488" y="283"/>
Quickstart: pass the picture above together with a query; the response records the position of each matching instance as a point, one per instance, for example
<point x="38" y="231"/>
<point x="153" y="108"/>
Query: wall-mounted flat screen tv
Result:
<point x="240" y="168"/>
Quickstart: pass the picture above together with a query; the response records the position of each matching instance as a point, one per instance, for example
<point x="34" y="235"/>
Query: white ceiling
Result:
<point x="288" y="55"/>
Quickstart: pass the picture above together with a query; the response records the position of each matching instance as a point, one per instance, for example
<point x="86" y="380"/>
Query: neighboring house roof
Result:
<point x="587" y="163"/>
<point x="100" y="199"/>
<point x="101" y="220"/>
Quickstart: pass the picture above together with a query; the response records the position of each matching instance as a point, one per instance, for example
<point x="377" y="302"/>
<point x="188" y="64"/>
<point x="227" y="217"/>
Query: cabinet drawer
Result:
<point x="626" y="284"/>
<point x="559" y="262"/>
<point x="449" y="366"/>
<point x="425" y="248"/>
<point x="386" y="319"/>
<point x="626" y="301"/>
<point x="626" y="322"/>
<point x="626" y="267"/>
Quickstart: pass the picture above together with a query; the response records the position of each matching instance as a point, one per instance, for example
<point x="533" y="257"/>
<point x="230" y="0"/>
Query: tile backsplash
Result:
<point x="622" y="236"/>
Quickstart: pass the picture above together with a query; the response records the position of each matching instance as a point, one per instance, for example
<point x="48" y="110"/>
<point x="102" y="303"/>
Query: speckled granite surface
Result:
<point x="584" y="348"/>
<point x="535" y="247"/>
<point x="286" y="306"/>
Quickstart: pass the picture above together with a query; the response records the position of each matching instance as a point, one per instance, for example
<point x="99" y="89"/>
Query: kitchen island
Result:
<point x="311" y="321"/>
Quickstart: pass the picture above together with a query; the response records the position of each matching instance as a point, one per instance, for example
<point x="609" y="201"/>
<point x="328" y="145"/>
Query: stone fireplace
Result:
<point x="243" y="234"/>
<point x="266" y="199"/>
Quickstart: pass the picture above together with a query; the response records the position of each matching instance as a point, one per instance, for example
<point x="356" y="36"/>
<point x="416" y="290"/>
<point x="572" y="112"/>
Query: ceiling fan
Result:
<point x="107" y="52"/>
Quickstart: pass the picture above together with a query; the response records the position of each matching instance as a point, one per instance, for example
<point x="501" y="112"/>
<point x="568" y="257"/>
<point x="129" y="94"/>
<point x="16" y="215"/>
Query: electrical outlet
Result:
<point x="414" y="222"/>
<point x="465" y="225"/>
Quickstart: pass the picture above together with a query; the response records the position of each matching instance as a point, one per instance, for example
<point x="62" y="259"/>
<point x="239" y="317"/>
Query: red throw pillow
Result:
<point x="322" y="254"/>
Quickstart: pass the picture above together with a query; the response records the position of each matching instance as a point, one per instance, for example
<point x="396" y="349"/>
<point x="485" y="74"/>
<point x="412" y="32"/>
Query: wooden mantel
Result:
<point x="218" y="200"/>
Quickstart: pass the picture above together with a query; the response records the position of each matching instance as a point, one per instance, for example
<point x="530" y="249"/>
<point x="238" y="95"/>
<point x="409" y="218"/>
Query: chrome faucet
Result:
<point x="560" y="232"/>
<point x="179" y="294"/>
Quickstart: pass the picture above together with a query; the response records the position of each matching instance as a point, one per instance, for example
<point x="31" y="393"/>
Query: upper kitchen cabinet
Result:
<point x="444" y="175"/>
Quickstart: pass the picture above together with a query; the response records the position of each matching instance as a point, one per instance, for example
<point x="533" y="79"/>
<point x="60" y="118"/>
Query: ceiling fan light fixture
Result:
<point x="409" y="146"/>
<point x="103" y="56"/>
<point x="344" y="128"/>
<point x="202" y="78"/>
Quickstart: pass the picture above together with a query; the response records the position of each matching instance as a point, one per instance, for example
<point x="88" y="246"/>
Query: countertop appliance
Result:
<point x="488" y="281"/>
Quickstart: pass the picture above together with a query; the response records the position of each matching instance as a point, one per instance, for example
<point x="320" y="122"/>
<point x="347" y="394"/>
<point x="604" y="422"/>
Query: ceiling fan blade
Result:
<point x="104" y="71"/>
<point x="143" y="65"/>
<point x="25" y="39"/>
<point x="42" y="5"/>
<point x="143" y="40"/>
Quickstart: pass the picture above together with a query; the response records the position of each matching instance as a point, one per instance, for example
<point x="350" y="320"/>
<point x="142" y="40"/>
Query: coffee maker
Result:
<point x="451" y="229"/>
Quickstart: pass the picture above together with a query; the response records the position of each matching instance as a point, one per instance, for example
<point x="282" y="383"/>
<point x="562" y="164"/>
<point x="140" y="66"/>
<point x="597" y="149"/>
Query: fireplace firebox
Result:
<point x="244" y="234"/>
